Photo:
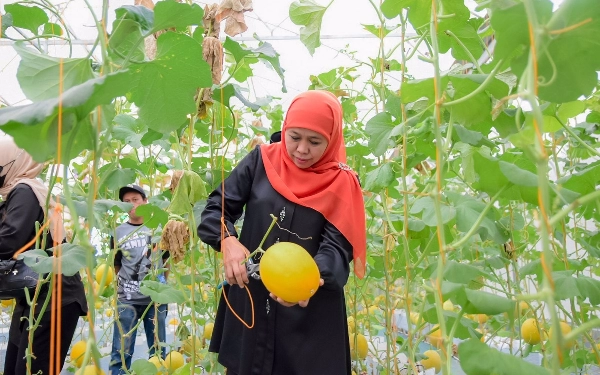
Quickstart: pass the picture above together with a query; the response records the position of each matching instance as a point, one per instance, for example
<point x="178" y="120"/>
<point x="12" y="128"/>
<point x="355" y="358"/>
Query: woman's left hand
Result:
<point x="303" y="303"/>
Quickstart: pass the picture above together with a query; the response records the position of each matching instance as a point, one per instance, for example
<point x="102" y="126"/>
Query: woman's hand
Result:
<point x="303" y="303"/>
<point x="234" y="254"/>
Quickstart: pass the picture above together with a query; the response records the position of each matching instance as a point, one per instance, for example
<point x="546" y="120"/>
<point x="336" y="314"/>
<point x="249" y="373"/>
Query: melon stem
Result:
<point x="259" y="248"/>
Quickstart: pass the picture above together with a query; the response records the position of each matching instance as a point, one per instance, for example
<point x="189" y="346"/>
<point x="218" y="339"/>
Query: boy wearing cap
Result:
<point x="133" y="260"/>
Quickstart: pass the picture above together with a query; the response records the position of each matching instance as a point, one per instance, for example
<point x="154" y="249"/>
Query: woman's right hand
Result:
<point x="234" y="254"/>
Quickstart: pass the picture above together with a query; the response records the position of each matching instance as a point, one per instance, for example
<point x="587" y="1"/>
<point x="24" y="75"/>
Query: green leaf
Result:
<point x="102" y="206"/>
<point x="569" y="110"/>
<point x="472" y="352"/>
<point x="164" y="88"/>
<point x="5" y="23"/>
<point x="461" y="273"/>
<point x="308" y="14"/>
<point x="468" y="211"/>
<point x="414" y="90"/>
<point x="39" y="75"/>
<point x="231" y="90"/>
<point x="583" y="181"/>
<point x="426" y="205"/>
<point x="173" y="14"/>
<point x="126" y="41"/>
<point x="52" y="29"/>
<point x="518" y="176"/>
<point x="468" y="37"/>
<point x="393" y="8"/>
<point x="26" y="17"/>
<point x="379" y="178"/>
<point x="34" y="126"/>
<point x="190" y="190"/>
<point x="143" y="366"/>
<point x="478" y="108"/>
<point x="568" y="286"/>
<point x="265" y="51"/>
<point x="475" y="301"/>
<point x="72" y="258"/>
<point x="471" y="137"/>
<point x="551" y="124"/>
<point x="137" y="13"/>
<point x="117" y="178"/>
<point x="153" y="215"/>
<point x="162" y="293"/>
<point x="379" y="128"/>
<point x="128" y="130"/>
<point x="511" y="27"/>
<point x="567" y="67"/>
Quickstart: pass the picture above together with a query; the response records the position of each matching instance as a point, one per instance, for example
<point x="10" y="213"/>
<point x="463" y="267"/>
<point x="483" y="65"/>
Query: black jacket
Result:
<point x="18" y="215"/>
<point x="284" y="340"/>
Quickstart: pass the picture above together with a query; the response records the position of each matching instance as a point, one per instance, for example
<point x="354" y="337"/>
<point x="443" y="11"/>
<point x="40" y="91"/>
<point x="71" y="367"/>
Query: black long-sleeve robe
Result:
<point x="284" y="340"/>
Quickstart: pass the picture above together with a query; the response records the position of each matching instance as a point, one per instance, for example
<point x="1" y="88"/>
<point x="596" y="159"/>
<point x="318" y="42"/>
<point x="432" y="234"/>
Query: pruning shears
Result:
<point x="252" y="268"/>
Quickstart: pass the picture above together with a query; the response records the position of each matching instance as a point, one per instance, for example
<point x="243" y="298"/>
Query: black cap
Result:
<point x="275" y="137"/>
<point x="131" y="187"/>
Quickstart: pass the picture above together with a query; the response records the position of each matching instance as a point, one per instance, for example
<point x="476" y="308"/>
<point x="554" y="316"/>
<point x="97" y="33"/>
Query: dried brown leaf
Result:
<point x="212" y="52"/>
<point x="147" y="3"/>
<point x="205" y="102"/>
<point x="175" y="180"/>
<point x="233" y="11"/>
<point x="174" y="237"/>
<point x="212" y="27"/>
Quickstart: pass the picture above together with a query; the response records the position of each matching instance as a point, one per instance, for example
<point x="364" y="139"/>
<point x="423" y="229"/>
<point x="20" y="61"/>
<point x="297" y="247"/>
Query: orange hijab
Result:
<point x="329" y="186"/>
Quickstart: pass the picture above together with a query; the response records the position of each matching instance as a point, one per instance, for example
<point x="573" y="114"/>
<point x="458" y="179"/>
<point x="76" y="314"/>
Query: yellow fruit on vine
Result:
<point x="523" y="307"/>
<point x="448" y="305"/>
<point x="187" y="345"/>
<point x="101" y="271"/>
<point x="482" y="318"/>
<point x="530" y="332"/>
<point x="204" y="296"/>
<point x="78" y="352"/>
<point x="415" y="318"/>
<point x="482" y="334"/>
<point x="351" y="324"/>
<point x="98" y="304"/>
<point x="7" y="302"/>
<point x="433" y="360"/>
<point x="90" y="370"/>
<point x="156" y="361"/>
<point x="361" y="346"/>
<point x="109" y="313"/>
<point x="208" y="330"/>
<point x="435" y="337"/>
<point x="289" y="272"/>
<point x="173" y="361"/>
<point x="174" y="322"/>
<point x="566" y="329"/>
<point x="372" y="310"/>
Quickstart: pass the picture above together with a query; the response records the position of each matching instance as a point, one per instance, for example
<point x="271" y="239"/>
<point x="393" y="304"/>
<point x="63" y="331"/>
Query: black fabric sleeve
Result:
<point x="237" y="192"/>
<point x="118" y="253"/>
<point x="17" y="227"/>
<point x="333" y="258"/>
<point x="165" y="255"/>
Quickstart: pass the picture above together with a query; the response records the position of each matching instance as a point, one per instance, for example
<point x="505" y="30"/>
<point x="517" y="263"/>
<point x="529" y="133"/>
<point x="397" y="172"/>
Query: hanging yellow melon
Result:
<point x="289" y="272"/>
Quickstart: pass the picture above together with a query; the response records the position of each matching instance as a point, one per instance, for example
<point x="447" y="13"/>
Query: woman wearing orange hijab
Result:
<point x="318" y="201"/>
